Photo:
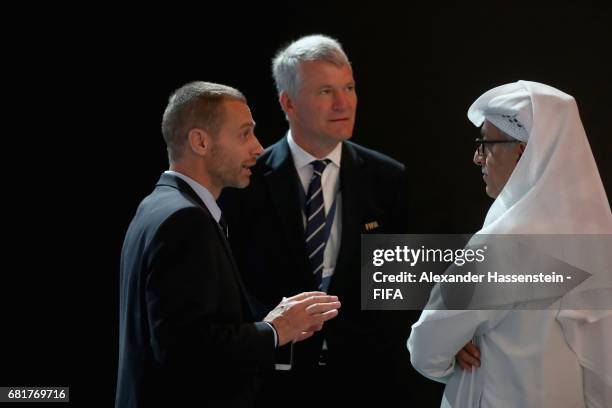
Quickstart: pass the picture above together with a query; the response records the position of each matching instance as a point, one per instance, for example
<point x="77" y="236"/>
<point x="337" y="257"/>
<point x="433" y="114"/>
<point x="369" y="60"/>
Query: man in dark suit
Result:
<point x="289" y="244"/>
<point x="187" y="336"/>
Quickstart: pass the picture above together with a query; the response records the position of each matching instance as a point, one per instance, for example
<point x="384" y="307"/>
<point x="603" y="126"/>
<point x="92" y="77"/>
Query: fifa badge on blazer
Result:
<point x="371" y="225"/>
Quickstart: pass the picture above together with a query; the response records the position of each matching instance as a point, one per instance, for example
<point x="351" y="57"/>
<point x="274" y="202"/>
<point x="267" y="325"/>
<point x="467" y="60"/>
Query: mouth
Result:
<point x="248" y="166"/>
<point x="340" y="120"/>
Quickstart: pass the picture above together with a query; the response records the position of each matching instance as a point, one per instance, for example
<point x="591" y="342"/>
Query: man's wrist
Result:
<point x="275" y="334"/>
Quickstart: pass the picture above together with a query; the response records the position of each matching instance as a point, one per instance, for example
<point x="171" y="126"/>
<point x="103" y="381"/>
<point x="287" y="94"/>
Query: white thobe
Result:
<point x="525" y="359"/>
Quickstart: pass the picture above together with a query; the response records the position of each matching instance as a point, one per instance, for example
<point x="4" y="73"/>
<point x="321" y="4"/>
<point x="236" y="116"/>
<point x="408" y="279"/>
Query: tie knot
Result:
<point x="319" y="165"/>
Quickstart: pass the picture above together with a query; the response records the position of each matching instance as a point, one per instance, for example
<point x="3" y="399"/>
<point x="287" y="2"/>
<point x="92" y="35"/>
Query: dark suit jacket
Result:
<point x="267" y="236"/>
<point x="185" y="337"/>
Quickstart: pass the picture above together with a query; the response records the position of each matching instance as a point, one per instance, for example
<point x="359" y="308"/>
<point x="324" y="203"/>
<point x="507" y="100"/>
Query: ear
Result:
<point x="286" y="103"/>
<point x="198" y="141"/>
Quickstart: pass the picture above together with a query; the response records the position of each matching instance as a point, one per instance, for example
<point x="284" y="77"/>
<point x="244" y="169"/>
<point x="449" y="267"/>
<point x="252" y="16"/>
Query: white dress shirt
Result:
<point x="330" y="183"/>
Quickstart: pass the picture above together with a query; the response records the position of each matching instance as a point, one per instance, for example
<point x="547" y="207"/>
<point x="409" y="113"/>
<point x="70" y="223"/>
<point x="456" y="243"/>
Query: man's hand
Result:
<point x="468" y="357"/>
<point x="298" y="317"/>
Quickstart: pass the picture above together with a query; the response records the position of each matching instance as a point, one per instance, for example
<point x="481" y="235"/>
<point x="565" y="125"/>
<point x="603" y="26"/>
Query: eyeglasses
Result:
<point x="481" y="142"/>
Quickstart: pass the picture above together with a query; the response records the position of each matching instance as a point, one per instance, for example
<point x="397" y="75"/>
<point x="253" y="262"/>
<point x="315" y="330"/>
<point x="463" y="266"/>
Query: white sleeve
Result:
<point x="439" y="334"/>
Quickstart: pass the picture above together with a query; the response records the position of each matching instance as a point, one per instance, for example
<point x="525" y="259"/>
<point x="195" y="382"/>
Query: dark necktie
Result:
<point x="315" y="221"/>
<point x="223" y="225"/>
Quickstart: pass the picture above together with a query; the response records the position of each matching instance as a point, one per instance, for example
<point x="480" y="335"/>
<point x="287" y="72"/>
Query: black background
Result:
<point x="83" y="145"/>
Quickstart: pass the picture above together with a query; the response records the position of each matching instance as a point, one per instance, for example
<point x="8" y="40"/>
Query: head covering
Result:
<point x="508" y="107"/>
<point x="555" y="188"/>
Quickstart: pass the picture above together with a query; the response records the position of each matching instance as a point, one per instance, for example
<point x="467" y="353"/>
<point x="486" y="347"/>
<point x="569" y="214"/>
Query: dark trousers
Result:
<point x="343" y="386"/>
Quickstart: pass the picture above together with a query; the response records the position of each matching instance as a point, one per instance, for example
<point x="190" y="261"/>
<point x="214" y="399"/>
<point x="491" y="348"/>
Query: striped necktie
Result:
<point x="316" y="237"/>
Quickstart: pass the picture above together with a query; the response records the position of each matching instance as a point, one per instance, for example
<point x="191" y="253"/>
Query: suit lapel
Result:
<point x="228" y="250"/>
<point x="283" y="183"/>
<point x="183" y="187"/>
<point x="351" y="176"/>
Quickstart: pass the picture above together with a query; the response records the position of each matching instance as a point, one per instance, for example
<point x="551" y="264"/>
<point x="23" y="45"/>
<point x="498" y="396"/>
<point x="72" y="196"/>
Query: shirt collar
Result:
<point x="302" y="158"/>
<point x="202" y="192"/>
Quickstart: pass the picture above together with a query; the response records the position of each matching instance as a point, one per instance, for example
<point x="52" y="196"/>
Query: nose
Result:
<point x="257" y="148"/>
<point x="340" y="100"/>
<point x="477" y="158"/>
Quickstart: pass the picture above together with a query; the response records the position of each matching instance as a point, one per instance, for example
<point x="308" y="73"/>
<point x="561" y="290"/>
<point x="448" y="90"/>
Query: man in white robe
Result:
<point x="544" y="179"/>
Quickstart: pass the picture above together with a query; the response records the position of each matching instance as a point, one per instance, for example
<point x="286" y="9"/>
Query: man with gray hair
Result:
<point x="299" y="225"/>
<point x="187" y="332"/>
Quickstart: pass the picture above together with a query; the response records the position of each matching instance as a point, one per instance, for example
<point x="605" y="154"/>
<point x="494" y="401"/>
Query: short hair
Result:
<point x="286" y="63"/>
<point x="196" y="104"/>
